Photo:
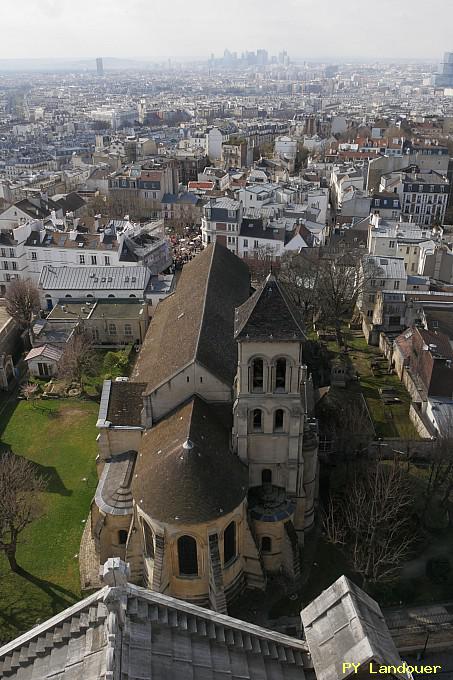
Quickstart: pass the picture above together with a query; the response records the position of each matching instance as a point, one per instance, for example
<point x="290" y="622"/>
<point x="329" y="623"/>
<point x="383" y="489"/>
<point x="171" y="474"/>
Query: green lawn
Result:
<point x="389" y="420"/>
<point x="59" y="436"/>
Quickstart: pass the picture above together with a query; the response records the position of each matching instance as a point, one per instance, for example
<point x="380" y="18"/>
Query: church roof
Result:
<point x="196" y="322"/>
<point x="113" y="494"/>
<point x="185" y="471"/>
<point x="268" y="315"/>
<point x="127" y="632"/>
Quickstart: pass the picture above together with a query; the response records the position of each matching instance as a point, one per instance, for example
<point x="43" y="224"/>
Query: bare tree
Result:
<point x="342" y="280"/>
<point x="29" y="391"/>
<point x="20" y="486"/>
<point x="440" y="481"/>
<point x="22" y="303"/>
<point x="261" y="262"/>
<point x="346" y="423"/>
<point x="185" y="215"/>
<point x="298" y="273"/>
<point x="373" y="519"/>
<point x="79" y="358"/>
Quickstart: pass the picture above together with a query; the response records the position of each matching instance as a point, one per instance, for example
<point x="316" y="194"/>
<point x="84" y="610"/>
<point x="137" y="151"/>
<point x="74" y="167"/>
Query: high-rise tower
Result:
<point x="99" y="66"/>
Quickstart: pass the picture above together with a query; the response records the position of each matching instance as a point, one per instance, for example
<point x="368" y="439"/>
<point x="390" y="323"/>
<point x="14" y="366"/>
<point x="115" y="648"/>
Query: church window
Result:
<point x="149" y="540"/>
<point x="257" y="375"/>
<point x="278" y="420"/>
<point x="257" y="420"/>
<point x="122" y="537"/>
<point x="229" y="543"/>
<point x="266" y="544"/>
<point x="187" y="556"/>
<point x="280" y="375"/>
<point x="266" y="476"/>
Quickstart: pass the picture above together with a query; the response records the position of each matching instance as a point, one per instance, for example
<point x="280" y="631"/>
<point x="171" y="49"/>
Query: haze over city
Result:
<point x="150" y="30"/>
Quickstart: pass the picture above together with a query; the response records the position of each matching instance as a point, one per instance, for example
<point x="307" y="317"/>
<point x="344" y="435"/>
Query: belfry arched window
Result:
<point x="280" y="375"/>
<point x="187" y="556"/>
<point x="257" y="375"/>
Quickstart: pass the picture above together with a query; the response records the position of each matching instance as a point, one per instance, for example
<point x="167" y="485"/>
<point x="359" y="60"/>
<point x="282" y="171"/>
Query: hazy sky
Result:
<point x="160" y="28"/>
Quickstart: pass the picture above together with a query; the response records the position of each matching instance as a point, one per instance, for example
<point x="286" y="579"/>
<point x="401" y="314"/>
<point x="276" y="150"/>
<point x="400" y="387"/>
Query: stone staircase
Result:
<point x="159" y="550"/>
<point x="216" y="587"/>
<point x="292" y="552"/>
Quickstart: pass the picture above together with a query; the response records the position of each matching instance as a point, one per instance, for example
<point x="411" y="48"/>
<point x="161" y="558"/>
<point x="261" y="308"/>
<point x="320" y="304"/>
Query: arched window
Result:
<point x="89" y="295"/>
<point x="122" y="537"/>
<point x="278" y="420"/>
<point x="187" y="556"/>
<point x="112" y="329"/>
<point x="266" y="544"/>
<point x="132" y="295"/>
<point x="111" y="295"/>
<point x="257" y="375"/>
<point x="257" y="422"/>
<point x="229" y="543"/>
<point x="127" y="329"/>
<point x="266" y="476"/>
<point x="149" y="540"/>
<point x="280" y="375"/>
<point x="68" y="296"/>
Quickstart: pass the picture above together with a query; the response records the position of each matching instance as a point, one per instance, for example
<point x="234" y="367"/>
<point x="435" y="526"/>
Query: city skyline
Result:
<point x="87" y="30"/>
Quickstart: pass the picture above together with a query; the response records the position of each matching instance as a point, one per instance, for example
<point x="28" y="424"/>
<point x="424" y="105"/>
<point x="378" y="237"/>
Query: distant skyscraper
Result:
<point x="99" y="66"/>
<point x="445" y="79"/>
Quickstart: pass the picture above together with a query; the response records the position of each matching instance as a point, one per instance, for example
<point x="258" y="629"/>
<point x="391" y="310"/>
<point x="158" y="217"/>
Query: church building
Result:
<point x="207" y="458"/>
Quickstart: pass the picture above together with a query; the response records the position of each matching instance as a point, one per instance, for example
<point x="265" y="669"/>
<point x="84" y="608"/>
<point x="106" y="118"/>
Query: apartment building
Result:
<point x="423" y="195"/>
<point x="399" y="239"/>
<point x="27" y="249"/>
<point x="221" y="221"/>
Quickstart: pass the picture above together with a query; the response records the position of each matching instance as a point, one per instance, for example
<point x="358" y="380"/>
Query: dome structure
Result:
<point x="185" y="471"/>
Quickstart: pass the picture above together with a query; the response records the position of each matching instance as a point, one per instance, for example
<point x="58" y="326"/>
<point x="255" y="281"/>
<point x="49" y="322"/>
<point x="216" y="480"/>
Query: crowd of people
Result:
<point x="184" y="248"/>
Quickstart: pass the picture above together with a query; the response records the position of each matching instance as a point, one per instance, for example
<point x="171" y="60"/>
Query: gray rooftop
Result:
<point x="93" y="278"/>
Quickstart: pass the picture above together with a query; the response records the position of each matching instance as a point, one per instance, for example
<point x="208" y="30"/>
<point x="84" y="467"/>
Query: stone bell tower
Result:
<point x="271" y="431"/>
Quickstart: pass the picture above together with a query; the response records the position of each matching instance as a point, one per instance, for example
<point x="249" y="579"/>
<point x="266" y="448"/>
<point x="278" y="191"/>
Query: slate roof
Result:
<point x="268" y="315"/>
<point x="185" y="472"/>
<point x="257" y="230"/>
<point x="113" y="493"/>
<point x="158" y="638"/>
<point x="71" y="202"/>
<point x="125" y="403"/>
<point x="43" y="210"/>
<point x="93" y="278"/>
<point x="196" y="322"/>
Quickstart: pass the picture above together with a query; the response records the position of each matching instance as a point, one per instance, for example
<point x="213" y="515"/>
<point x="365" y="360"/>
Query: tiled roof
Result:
<point x="46" y="352"/>
<point x="268" y="315"/>
<point x="185" y="471"/>
<point x="195" y="323"/>
<point x="125" y="403"/>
